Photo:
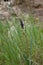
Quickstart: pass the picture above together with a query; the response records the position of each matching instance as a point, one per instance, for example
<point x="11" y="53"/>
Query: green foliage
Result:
<point x="21" y="46"/>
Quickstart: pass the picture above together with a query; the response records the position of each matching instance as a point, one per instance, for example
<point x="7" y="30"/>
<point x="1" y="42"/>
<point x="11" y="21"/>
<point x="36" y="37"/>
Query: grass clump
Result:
<point x="21" y="46"/>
